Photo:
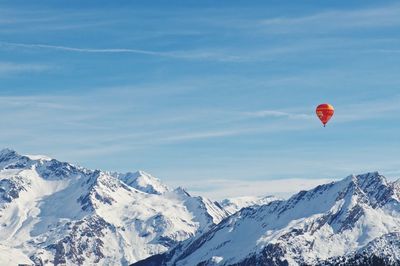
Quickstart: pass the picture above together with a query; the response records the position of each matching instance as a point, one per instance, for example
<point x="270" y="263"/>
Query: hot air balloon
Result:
<point x="325" y="112"/>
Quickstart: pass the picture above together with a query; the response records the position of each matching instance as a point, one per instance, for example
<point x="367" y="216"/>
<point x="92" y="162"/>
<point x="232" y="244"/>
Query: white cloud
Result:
<point x="82" y="50"/>
<point x="278" y="113"/>
<point x="336" y="19"/>
<point x="199" y="55"/>
<point x="211" y="54"/>
<point x="14" y="68"/>
<point x="368" y="110"/>
<point x="225" y="188"/>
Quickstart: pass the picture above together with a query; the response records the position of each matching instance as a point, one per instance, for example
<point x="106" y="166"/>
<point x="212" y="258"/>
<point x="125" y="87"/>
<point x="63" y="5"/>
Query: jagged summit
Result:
<point x="354" y="219"/>
<point x="181" y="191"/>
<point x="144" y="182"/>
<point x="45" y="166"/>
<point x="7" y="154"/>
<point x="55" y="213"/>
<point x="6" y="151"/>
<point x="365" y="177"/>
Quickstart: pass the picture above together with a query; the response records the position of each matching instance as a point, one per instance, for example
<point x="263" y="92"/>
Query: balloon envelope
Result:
<point x="325" y="112"/>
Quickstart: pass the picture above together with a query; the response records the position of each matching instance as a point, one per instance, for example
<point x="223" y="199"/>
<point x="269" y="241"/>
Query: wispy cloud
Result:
<point x="10" y="16"/>
<point x="344" y="113"/>
<point x="322" y="21"/>
<point x="201" y="135"/>
<point x="39" y="102"/>
<point x="102" y="121"/>
<point x="208" y="54"/>
<point x="84" y="50"/>
<point x="278" y="113"/>
<point x="219" y="189"/>
<point x="336" y="19"/>
<point x="164" y="127"/>
<point x="368" y="110"/>
<point x="15" y="68"/>
<point x="195" y="54"/>
<point x="236" y="130"/>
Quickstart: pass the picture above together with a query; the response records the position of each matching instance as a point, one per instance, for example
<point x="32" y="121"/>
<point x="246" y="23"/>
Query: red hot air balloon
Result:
<point x="325" y="112"/>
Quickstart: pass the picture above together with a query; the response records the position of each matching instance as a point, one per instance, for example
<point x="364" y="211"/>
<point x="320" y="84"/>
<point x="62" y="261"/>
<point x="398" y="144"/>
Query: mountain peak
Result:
<point x="7" y="153"/>
<point x="368" y="175"/>
<point x="77" y="216"/>
<point x="144" y="182"/>
<point x="7" y="150"/>
<point x="367" y="180"/>
<point x="180" y="190"/>
<point x="10" y="157"/>
<point x="329" y="221"/>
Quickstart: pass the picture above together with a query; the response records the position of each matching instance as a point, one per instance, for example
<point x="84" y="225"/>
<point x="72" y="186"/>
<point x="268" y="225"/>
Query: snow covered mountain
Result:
<point x="232" y="205"/>
<point x="55" y="213"/>
<point x="355" y="221"/>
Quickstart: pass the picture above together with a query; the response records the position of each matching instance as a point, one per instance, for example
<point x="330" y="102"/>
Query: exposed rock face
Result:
<point x="57" y="213"/>
<point x="355" y="221"/>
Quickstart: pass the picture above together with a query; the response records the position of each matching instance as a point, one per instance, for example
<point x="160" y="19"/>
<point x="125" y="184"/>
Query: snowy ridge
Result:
<point x="356" y="219"/>
<point x="55" y="213"/>
<point x="383" y="250"/>
<point x="233" y="205"/>
<point x="9" y="256"/>
<point x="144" y="182"/>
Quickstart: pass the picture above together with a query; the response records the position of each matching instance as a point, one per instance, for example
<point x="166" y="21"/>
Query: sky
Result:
<point x="215" y="96"/>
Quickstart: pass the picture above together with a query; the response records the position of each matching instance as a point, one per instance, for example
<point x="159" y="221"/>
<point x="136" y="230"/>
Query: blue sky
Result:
<point x="205" y="94"/>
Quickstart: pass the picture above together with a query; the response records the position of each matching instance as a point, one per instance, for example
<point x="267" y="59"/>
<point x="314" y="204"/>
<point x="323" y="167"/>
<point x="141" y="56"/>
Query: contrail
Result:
<point x="89" y="50"/>
<point x="199" y="55"/>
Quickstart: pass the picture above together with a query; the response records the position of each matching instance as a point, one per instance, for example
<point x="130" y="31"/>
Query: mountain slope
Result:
<point x="350" y="220"/>
<point x="58" y="213"/>
<point x="232" y="205"/>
